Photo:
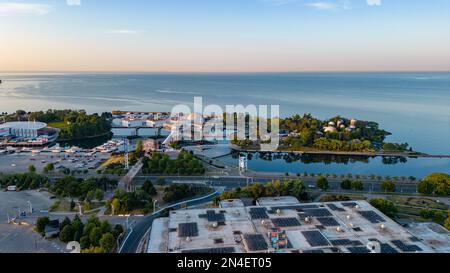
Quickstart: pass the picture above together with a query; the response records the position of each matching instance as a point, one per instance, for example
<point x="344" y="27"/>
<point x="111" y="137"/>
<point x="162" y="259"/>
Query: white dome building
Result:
<point x="330" y="129"/>
<point x="22" y="129"/>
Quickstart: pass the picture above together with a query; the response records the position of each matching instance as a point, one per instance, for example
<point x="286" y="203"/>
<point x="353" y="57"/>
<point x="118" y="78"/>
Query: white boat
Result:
<point x="73" y="150"/>
<point x="11" y="149"/>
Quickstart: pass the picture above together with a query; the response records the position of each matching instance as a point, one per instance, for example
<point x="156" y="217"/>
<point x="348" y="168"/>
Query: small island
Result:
<point x="337" y="135"/>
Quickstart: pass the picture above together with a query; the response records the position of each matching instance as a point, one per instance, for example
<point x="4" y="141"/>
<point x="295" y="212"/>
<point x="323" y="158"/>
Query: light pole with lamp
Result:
<point x="154" y="206"/>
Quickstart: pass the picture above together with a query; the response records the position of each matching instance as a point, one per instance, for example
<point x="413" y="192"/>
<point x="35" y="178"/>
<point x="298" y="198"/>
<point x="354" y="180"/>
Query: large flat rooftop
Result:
<point x="337" y="227"/>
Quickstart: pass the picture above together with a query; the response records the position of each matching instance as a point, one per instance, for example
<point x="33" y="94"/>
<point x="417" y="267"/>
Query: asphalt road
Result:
<point x="230" y="182"/>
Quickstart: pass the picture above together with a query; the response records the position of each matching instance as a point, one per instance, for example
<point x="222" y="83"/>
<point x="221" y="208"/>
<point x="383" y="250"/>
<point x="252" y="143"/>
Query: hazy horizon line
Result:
<point x="217" y="72"/>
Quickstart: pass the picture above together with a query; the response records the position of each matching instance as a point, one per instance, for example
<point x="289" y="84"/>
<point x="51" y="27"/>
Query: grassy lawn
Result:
<point x="111" y="160"/>
<point x="63" y="205"/>
<point x="421" y="202"/>
<point x="59" y="125"/>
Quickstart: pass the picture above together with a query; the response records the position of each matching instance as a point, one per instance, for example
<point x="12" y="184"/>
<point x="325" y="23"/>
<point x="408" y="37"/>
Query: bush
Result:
<point x="385" y="206"/>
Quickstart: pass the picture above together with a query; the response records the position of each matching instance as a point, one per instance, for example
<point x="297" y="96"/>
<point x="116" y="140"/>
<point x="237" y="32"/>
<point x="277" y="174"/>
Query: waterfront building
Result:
<point x="36" y="133"/>
<point x="336" y="227"/>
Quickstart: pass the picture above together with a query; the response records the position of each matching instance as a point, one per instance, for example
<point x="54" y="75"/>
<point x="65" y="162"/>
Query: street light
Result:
<point x="154" y="206"/>
<point x="30" y="207"/>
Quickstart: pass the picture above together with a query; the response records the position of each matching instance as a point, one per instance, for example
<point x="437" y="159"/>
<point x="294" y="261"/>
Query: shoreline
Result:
<point x="343" y="153"/>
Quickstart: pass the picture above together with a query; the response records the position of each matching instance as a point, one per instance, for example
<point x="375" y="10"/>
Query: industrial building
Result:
<point x="282" y="225"/>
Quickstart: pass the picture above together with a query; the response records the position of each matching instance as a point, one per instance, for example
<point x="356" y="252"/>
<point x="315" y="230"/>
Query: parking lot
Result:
<point x="19" y="162"/>
<point x="13" y="202"/>
<point x="22" y="239"/>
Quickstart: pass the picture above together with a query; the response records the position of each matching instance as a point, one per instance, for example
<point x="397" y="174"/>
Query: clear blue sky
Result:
<point x="224" y="35"/>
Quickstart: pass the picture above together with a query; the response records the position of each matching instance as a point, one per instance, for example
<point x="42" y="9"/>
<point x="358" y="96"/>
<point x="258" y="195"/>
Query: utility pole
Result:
<point x="126" y="143"/>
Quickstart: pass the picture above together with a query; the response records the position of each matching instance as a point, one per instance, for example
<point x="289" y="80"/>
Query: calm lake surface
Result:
<point x="415" y="107"/>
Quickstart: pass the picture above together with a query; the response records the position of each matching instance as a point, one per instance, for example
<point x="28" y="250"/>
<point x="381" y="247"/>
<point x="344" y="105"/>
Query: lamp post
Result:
<point x="30" y="207"/>
<point x="154" y="206"/>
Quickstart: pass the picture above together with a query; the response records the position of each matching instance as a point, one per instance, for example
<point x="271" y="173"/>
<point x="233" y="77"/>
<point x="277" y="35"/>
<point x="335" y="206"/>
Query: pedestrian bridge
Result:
<point x="126" y="181"/>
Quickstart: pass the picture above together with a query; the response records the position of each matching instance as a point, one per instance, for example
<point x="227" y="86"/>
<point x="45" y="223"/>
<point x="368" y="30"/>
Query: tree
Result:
<point x="107" y="242"/>
<point x="447" y="222"/>
<point x="139" y="148"/>
<point x="67" y="233"/>
<point x="322" y="183"/>
<point x="388" y="186"/>
<point x="161" y="181"/>
<point x="357" y="185"/>
<point x="64" y="223"/>
<point x="298" y="189"/>
<point x="93" y="250"/>
<point x="72" y="205"/>
<point x="90" y="196"/>
<point x="84" y="242"/>
<point x="117" y="231"/>
<point x="346" y="184"/>
<point x="41" y="223"/>
<point x="257" y="190"/>
<point x="31" y="169"/>
<point x="435" y="183"/>
<point x="115" y="206"/>
<point x="49" y="168"/>
<point x="95" y="235"/>
<point x="149" y="188"/>
<point x="99" y="194"/>
<point x="385" y="206"/>
<point x="77" y="226"/>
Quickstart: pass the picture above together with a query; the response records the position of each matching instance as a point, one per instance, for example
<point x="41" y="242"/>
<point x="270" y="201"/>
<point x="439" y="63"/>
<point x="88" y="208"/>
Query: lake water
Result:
<point x="417" y="167"/>
<point x="415" y="107"/>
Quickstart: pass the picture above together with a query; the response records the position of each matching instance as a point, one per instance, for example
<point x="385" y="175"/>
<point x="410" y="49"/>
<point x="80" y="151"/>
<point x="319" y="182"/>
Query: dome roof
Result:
<point x="31" y="125"/>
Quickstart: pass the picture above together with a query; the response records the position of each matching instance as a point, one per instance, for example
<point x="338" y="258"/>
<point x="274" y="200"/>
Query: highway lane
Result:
<point x="230" y="182"/>
<point x="137" y="232"/>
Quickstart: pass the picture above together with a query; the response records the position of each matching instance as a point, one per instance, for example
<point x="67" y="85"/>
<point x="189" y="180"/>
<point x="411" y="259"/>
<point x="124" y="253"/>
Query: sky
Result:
<point x="224" y="35"/>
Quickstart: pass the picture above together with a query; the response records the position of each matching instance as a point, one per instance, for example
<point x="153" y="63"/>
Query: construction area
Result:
<point x="284" y="225"/>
